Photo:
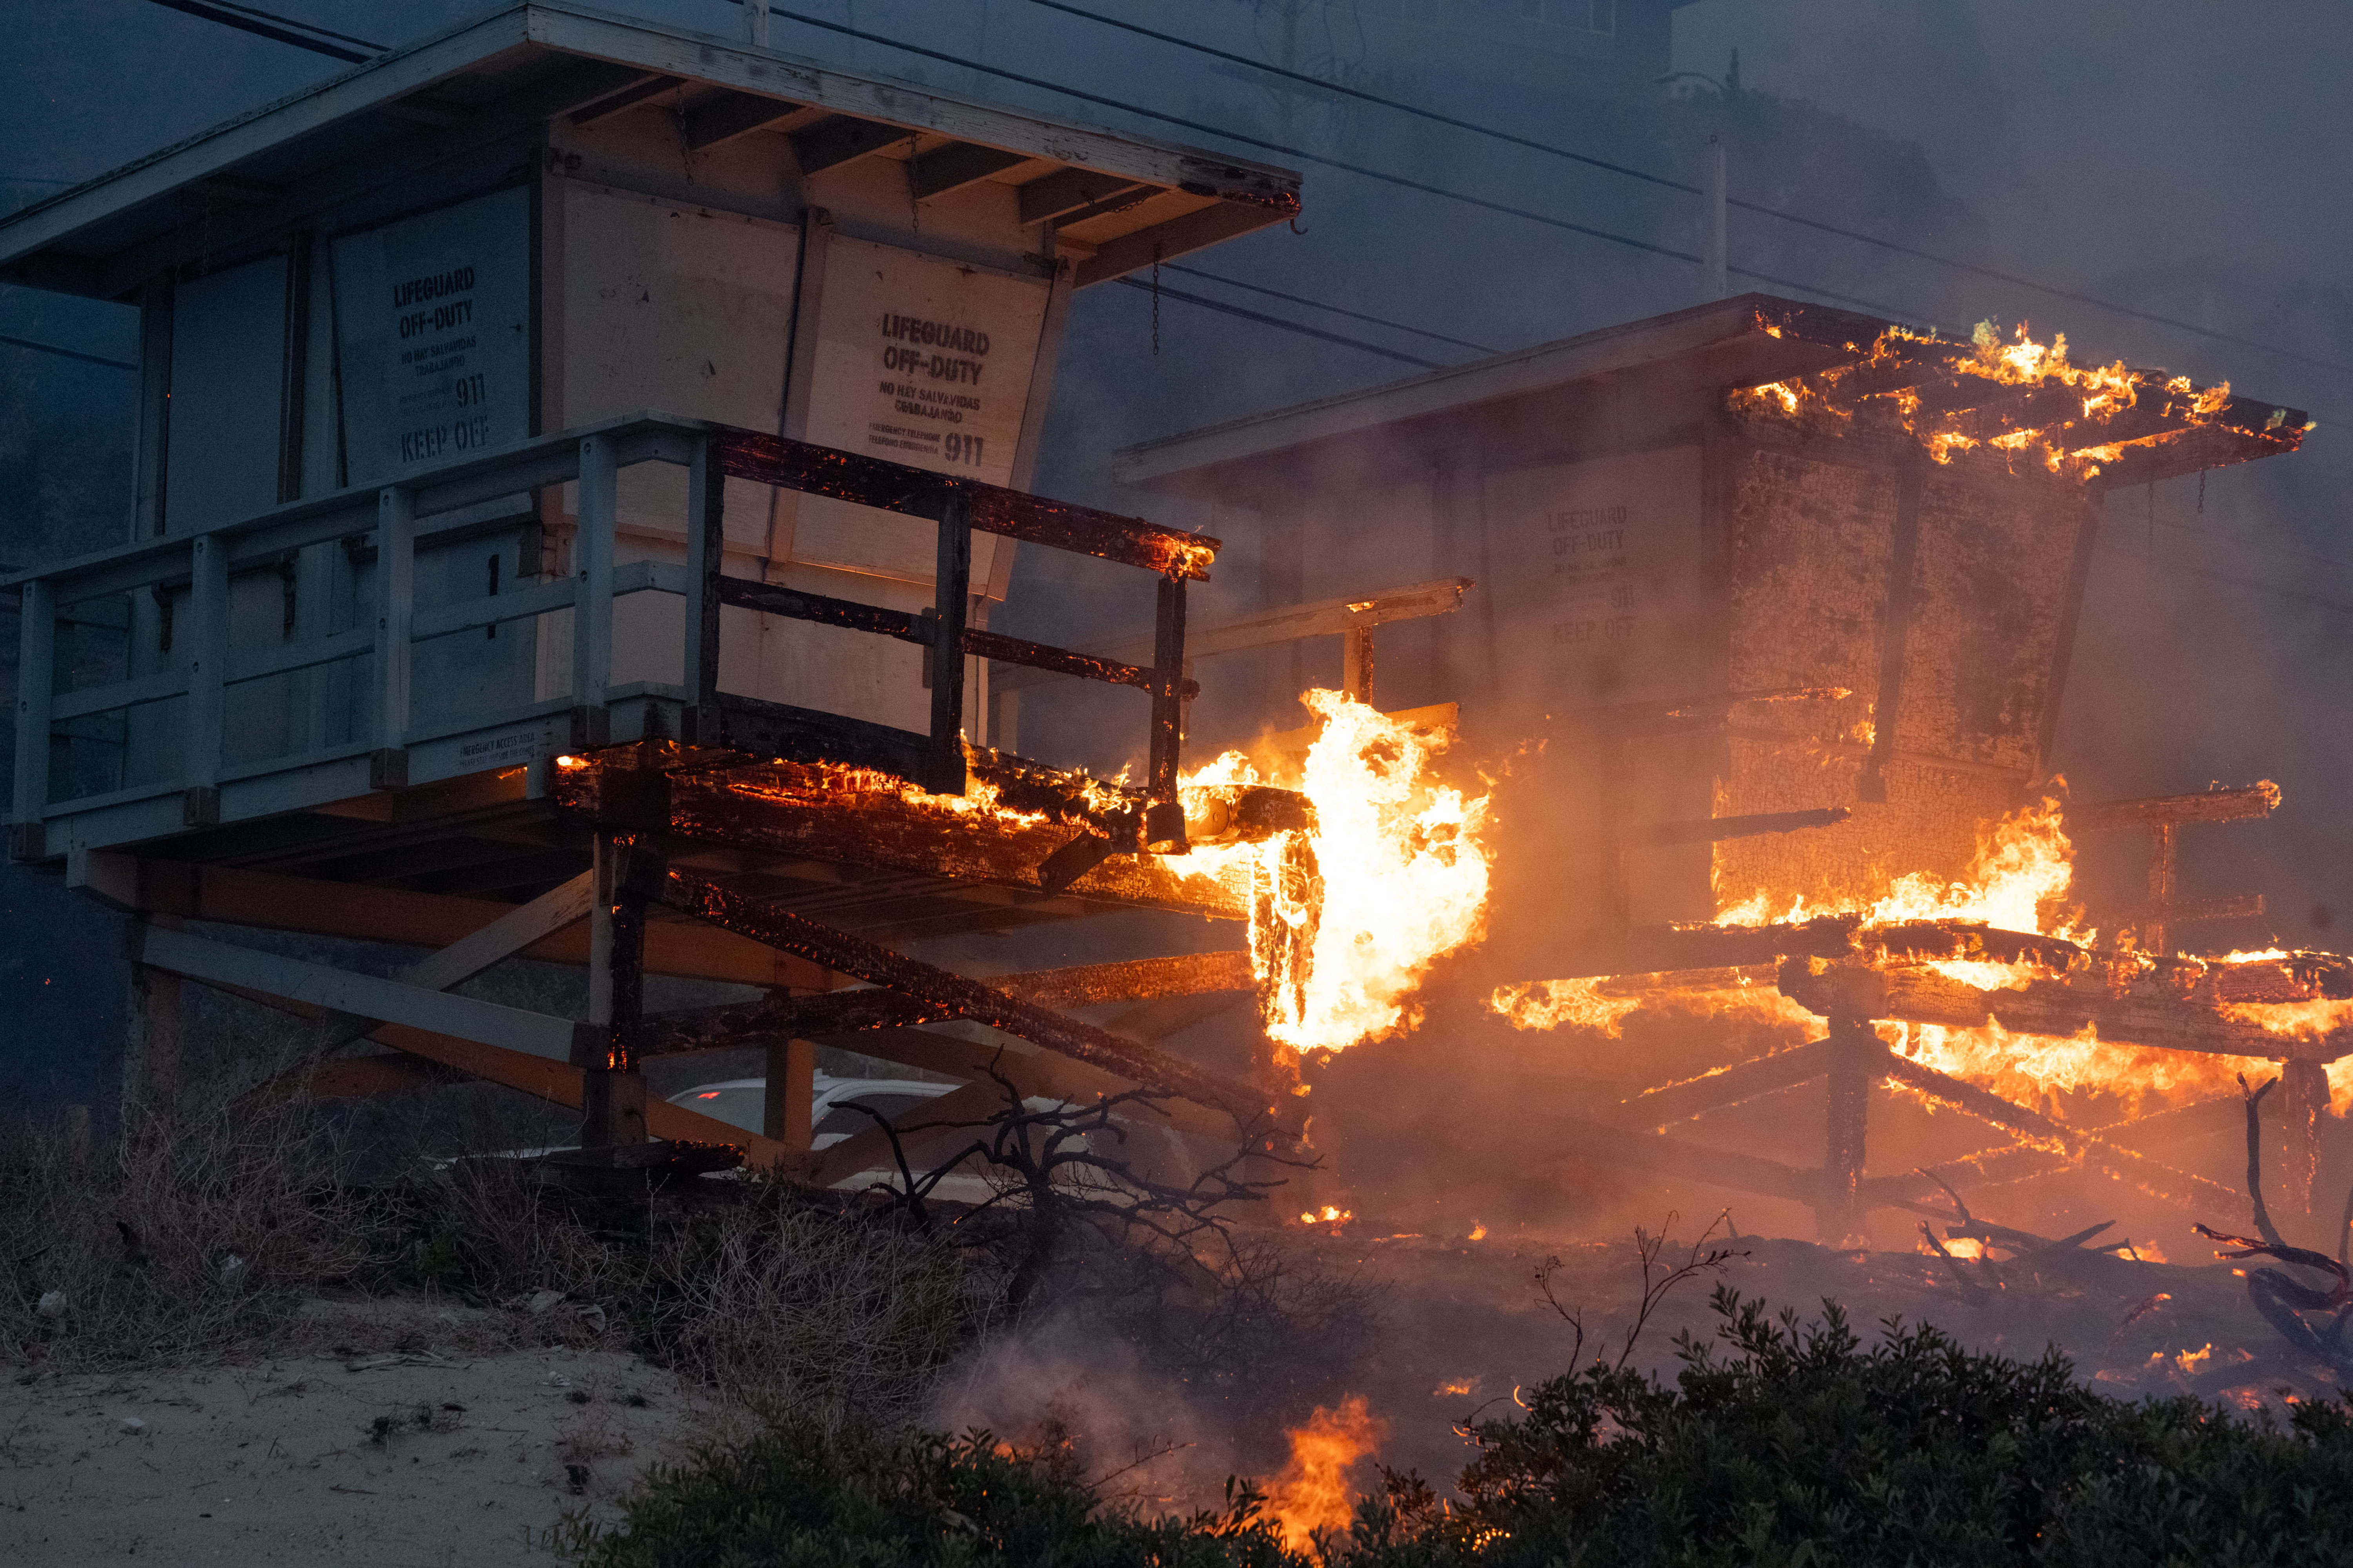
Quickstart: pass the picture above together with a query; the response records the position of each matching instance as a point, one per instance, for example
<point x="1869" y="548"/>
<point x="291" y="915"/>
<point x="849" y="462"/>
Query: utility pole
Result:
<point x="1717" y="283"/>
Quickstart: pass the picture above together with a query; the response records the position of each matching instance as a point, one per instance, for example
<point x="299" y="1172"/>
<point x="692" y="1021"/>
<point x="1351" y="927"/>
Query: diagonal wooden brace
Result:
<point x="764" y="920"/>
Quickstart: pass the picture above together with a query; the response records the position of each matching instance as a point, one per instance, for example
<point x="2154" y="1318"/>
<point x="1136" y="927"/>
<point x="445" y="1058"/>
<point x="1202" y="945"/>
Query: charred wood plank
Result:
<point x="1651" y="949"/>
<point x="1726" y="1086"/>
<point x="1709" y="830"/>
<point x="1131" y="980"/>
<point x="2152" y="1176"/>
<point x="834" y="814"/>
<point x="2236" y="804"/>
<point x="918" y="492"/>
<point x="2051" y="1007"/>
<point x="766" y="921"/>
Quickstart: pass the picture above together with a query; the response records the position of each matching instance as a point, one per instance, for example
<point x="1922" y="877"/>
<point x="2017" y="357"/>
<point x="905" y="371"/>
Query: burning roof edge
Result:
<point x="1750" y="340"/>
<point x="66" y="242"/>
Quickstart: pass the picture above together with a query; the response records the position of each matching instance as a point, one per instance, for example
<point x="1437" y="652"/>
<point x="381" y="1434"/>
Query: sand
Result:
<point x="444" y="1454"/>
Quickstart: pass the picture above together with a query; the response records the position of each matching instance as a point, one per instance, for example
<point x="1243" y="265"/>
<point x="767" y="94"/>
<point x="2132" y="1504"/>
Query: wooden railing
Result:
<point x="194" y="572"/>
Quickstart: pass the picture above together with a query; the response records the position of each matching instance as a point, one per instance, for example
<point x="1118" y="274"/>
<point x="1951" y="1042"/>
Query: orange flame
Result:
<point x="1312" y="1492"/>
<point x="2066" y="435"/>
<point x="1402" y="860"/>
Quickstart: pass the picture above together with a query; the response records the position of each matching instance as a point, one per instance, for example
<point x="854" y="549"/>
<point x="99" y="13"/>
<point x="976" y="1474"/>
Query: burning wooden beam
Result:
<point x="2152" y="1176"/>
<point x="764" y="920"/>
<point x="853" y="817"/>
<point x="2058" y="1009"/>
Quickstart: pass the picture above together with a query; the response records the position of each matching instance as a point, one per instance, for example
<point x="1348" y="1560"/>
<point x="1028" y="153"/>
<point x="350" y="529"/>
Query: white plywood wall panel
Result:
<point x="229" y="377"/>
<point x="682" y="309"/>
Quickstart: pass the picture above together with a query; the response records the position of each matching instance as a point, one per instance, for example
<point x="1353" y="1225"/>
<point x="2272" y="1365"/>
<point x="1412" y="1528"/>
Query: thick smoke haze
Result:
<point x="2174" y="157"/>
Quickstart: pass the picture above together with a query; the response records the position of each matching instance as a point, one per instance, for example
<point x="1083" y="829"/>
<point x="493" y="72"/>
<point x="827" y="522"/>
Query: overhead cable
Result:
<point x="1781" y="214"/>
<point x="1320" y="305"/>
<point x="1288" y="152"/>
<point x="1299" y="327"/>
<point x="284" y="29"/>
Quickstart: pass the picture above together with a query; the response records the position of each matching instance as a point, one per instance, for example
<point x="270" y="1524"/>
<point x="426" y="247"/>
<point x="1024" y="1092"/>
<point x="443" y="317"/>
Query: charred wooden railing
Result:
<point x="956" y="506"/>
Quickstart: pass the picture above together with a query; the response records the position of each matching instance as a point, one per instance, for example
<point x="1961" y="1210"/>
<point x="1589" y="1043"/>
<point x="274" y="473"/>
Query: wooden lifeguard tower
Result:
<point x="576" y="460"/>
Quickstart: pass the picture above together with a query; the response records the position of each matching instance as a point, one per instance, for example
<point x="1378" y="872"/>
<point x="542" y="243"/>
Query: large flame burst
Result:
<point x="1348" y="915"/>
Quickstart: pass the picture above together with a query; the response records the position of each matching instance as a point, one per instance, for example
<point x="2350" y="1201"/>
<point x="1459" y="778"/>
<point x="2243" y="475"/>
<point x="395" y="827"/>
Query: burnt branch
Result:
<point x="1059" y="1169"/>
<point x="1658" y="1278"/>
<point x="2279" y="1297"/>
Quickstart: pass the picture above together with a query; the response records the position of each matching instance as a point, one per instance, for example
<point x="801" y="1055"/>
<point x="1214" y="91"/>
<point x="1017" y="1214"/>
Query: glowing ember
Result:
<point x="1402" y="863"/>
<point x="1549" y="1004"/>
<point x="2024" y="866"/>
<point x="2061" y="425"/>
<point x="1312" y="1492"/>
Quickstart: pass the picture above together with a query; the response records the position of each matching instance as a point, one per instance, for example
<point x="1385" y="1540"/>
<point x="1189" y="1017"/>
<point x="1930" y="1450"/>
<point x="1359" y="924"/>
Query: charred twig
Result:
<point x="2278" y="1297"/>
<point x="1061" y="1167"/>
<point x="1976" y="1294"/>
<point x="2255" y="1098"/>
<point x="1658" y="1279"/>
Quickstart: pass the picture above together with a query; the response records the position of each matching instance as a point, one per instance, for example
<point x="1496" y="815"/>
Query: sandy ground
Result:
<point x="438" y="1454"/>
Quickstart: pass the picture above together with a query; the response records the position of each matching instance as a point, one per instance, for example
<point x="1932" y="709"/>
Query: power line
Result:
<point x="1398" y="180"/>
<point x="283" y="30"/>
<point x="1250" y="315"/>
<point x="1665" y="183"/>
<point x="1335" y="310"/>
<point x="66" y="353"/>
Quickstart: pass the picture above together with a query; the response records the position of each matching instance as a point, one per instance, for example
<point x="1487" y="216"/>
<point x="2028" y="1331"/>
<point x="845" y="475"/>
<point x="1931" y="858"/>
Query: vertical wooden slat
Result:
<point x="1855" y="1058"/>
<point x="2163" y="857"/>
<point x="150" y="1041"/>
<point x="953" y="597"/>
<point x="147" y="519"/>
<point x="207" y="644"/>
<point x="592" y="547"/>
<point x="1895" y="626"/>
<point x="706" y="550"/>
<point x="613" y="1091"/>
<point x="395" y="605"/>
<point x="35" y="683"/>
<point x="788" y="1107"/>
<point x="1165" y="823"/>
<point x="2307" y="1106"/>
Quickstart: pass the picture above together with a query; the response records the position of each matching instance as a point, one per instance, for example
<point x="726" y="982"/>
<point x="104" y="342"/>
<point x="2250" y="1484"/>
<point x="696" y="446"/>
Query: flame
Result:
<point x="1549" y="1004"/>
<point x="1402" y="861"/>
<point x="1312" y="1492"/>
<point x="2023" y="865"/>
<point x="1330" y="1214"/>
<point x="1478" y="1232"/>
<point x="2066" y="435"/>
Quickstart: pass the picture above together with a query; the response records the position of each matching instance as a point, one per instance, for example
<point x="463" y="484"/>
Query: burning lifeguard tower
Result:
<point x="569" y="432"/>
<point x="1777" y="603"/>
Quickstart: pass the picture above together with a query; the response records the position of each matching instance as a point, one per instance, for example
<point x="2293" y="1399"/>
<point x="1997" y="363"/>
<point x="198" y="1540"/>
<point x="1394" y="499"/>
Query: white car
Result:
<point x="743" y="1101"/>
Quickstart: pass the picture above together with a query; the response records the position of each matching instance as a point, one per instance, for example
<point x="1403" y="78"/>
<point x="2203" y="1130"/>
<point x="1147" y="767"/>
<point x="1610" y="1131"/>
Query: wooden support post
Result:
<point x="613" y="1089"/>
<point x="706" y="549"/>
<point x="151" y="1042"/>
<point x="1356" y="663"/>
<point x="592" y="605"/>
<point x="1895" y="627"/>
<point x="1854" y="1071"/>
<point x="789" y="1108"/>
<point x="952" y="601"/>
<point x="35" y="683"/>
<point x="2161" y="863"/>
<point x="395" y="606"/>
<point x="2307" y="1102"/>
<point x="207" y="635"/>
<point x="1164" y="823"/>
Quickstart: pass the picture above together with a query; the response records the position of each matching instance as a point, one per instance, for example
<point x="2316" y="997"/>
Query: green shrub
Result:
<point x="796" y="1497"/>
<point x="1801" y="1447"/>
